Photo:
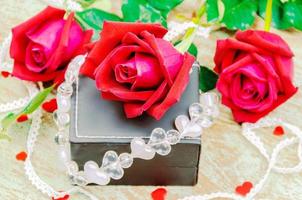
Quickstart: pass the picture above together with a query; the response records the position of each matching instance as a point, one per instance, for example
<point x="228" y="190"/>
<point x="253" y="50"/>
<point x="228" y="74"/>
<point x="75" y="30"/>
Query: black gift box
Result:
<point x="98" y="125"/>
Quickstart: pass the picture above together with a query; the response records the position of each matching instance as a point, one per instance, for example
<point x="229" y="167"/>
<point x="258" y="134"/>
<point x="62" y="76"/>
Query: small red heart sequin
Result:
<point x="66" y="197"/>
<point x="50" y="106"/>
<point x="5" y="74"/>
<point x="21" y="156"/>
<point x="279" y="131"/>
<point x="22" y="118"/>
<point x="159" y="194"/>
<point x="244" y="189"/>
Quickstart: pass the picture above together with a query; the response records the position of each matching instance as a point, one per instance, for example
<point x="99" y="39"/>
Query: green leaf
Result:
<point x="9" y="119"/>
<point x="192" y="49"/>
<point x="285" y="15"/>
<point x="207" y="79"/>
<point x="166" y="5"/>
<point x="293" y="13"/>
<point x="37" y="101"/>
<point x="239" y="14"/>
<point x="212" y="10"/>
<point x="94" y="18"/>
<point x="278" y="14"/>
<point x="86" y="3"/>
<point x="141" y="10"/>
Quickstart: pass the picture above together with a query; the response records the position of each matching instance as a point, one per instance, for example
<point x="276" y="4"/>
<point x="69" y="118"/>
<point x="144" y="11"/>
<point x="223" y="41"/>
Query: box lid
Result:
<point x="95" y="120"/>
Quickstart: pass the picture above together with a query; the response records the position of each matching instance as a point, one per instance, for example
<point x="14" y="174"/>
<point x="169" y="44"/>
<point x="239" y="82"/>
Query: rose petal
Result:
<point x="284" y="66"/>
<point x="32" y="62"/>
<point x="111" y="36"/>
<point x="132" y="39"/>
<point x="20" y="41"/>
<point x="175" y="92"/>
<point x="134" y="109"/>
<point x="105" y="79"/>
<point x="47" y="35"/>
<point x="148" y="72"/>
<point x="224" y="47"/>
<point x="23" y="73"/>
<point x="126" y="72"/>
<point x="268" y="41"/>
<point x="62" y="53"/>
<point x="267" y="64"/>
<point x="170" y="60"/>
<point x="252" y="117"/>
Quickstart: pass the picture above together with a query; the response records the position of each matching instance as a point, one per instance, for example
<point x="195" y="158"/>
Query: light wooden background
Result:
<point x="227" y="158"/>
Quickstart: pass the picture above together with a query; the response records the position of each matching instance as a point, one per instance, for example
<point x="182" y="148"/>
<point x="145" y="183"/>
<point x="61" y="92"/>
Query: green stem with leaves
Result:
<point x="268" y="15"/>
<point x="188" y="38"/>
<point x="33" y="105"/>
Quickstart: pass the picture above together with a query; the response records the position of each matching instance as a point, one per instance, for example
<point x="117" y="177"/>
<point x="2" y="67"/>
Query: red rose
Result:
<point x="131" y="63"/>
<point x="43" y="45"/>
<point x="256" y="71"/>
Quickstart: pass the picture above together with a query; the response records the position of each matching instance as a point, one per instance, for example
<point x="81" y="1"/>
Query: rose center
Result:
<point x="38" y="56"/>
<point x="125" y="73"/>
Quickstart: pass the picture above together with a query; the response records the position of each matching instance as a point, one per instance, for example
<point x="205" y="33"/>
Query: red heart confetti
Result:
<point x="244" y="189"/>
<point x="159" y="194"/>
<point x="279" y="131"/>
<point x="66" y="197"/>
<point x="21" y="156"/>
<point x="50" y="106"/>
<point x="5" y="74"/>
<point x="22" y="118"/>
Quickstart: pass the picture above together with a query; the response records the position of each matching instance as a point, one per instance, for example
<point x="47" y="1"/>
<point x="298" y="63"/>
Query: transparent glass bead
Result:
<point x="211" y="111"/>
<point x="209" y="99"/>
<point x="112" y="166"/>
<point x="61" y="119"/>
<point x="60" y="139"/>
<point x="64" y="155"/>
<point x="205" y="121"/>
<point x="114" y="171"/>
<point x="109" y="158"/>
<point x="63" y="103"/>
<point x="72" y="167"/>
<point x="126" y="160"/>
<point x="78" y="179"/>
<point x="65" y="89"/>
<point x="94" y="174"/>
<point x="195" y="110"/>
<point x="70" y="76"/>
<point x="139" y="149"/>
<point x="157" y="135"/>
<point x="163" y="148"/>
<point x="181" y="122"/>
<point x="192" y="130"/>
<point x="173" y="136"/>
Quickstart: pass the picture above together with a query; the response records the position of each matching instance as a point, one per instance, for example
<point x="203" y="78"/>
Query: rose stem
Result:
<point x="268" y="15"/>
<point x="187" y="40"/>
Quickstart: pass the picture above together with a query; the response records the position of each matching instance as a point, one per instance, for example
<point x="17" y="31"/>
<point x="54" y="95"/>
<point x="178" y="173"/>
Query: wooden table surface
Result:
<point x="227" y="158"/>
